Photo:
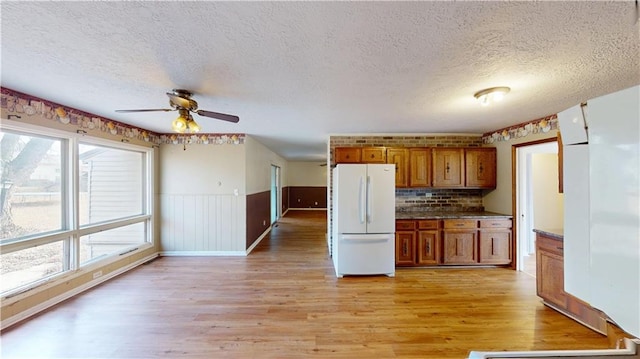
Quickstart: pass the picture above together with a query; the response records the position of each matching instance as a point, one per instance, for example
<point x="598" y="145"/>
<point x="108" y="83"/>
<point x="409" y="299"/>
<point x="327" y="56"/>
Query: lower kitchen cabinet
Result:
<point x="550" y="284"/>
<point x="462" y="241"/>
<point x="405" y="248"/>
<point x="495" y="247"/>
<point x="460" y="246"/>
<point x="428" y="248"/>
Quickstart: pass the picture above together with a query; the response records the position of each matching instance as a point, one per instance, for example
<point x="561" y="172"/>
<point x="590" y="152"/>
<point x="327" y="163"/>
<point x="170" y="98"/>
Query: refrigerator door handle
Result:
<point x="369" y="199"/>
<point x="361" y="201"/>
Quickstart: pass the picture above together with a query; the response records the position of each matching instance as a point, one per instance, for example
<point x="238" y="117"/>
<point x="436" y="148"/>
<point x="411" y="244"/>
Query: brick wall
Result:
<point x="438" y="200"/>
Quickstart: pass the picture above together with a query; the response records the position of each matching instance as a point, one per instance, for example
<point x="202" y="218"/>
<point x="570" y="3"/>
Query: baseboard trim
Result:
<point x="257" y="241"/>
<point x="307" y="209"/>
<point x="203" y="253"/>
<point x="71" y="293"/>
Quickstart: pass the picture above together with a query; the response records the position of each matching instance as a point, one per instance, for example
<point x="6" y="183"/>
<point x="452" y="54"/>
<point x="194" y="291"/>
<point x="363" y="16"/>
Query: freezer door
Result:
<point x="381" y="198"/>
<point x="350" y="202"/>
<point x="366" y="254"/>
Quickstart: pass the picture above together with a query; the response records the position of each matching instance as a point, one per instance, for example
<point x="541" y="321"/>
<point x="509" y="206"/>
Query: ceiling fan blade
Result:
<point x="219" y="116"/>
<point x="180" y="101"/>
<point x="148" y="110"/>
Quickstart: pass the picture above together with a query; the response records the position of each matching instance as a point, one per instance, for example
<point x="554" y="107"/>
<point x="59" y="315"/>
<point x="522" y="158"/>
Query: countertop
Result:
<point x="555" y="233"/>
<point x="449" y="214"/>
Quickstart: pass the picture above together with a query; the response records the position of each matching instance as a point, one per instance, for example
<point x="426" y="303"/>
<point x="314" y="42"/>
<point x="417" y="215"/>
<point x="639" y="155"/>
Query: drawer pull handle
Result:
<point x="561" y="248"/>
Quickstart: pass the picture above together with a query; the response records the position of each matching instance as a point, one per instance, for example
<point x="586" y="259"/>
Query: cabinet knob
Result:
<point x="447" y="167"/>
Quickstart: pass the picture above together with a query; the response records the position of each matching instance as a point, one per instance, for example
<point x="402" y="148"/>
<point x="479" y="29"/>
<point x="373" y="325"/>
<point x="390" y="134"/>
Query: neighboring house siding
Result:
<point x="112" y="192"/>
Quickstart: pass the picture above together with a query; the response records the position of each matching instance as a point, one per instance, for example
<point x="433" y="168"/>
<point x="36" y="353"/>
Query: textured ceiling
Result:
<point x="296" y="72"/>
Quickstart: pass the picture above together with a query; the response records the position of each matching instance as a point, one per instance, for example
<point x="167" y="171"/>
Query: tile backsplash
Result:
<point x="438" y="200"/>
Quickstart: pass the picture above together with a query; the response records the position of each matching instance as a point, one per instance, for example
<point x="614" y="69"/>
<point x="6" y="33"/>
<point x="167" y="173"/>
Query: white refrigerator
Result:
<point x="602" y="205"/>
<point x="363" y="215"/>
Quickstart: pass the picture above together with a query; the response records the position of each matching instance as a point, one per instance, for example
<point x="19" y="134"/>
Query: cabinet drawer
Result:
<point x="460" y="223"/>
<point x="544" y="243"/>
<point x="428" y="224"/>
<point x="495" y="223"/>
<point x="403" y="225"/>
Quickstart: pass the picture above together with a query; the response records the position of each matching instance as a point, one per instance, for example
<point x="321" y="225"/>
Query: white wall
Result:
<point x="199" y="211"/>
<point x="258" y="166"/>
<point x="548" y="204"/>
<point x="499" y="199"/>
<point x="307" y="174"/>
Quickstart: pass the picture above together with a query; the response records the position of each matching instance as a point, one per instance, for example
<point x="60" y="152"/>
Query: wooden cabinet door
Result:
<point x="459" y="246"/>
<point x="374" y="155"/>
<point x="400" y="157"/>
<point x="480" y="167"/>
<point x="448" y="167"/>
<point x="428" y="248"/>
<point x="550" y="277"/>
<point x="405" y="248"/>
<point x="347" y="154"/>
<point x="420" y="167"/>
<point x="495" y="247"/>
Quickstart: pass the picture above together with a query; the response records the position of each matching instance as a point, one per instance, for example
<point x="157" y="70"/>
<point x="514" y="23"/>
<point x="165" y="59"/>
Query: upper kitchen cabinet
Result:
<point x="347" y="154"/>
<point x="374" y="155"/>
<point x="400" y="157"/>
<point x="448" y="167"/>
<point x="419" y="167"/>
<point x="360" y="155"/>
<point x="480" y="167"/>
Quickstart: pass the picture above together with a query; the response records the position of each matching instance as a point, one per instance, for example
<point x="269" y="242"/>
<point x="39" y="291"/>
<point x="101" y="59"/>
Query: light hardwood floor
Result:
<point x="283" y="301"/>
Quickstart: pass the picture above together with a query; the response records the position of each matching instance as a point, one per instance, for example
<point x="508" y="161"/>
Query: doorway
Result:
<point x="275" y="194"/>
<point x="538" y="203"/>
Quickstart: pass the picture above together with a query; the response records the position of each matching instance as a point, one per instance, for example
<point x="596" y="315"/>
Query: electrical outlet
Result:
<point x="97" y="274"/>
<point x="264" y="222"/>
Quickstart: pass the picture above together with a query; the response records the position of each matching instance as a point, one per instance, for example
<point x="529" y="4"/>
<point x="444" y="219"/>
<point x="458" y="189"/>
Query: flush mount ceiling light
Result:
<point x="490" y="95"/>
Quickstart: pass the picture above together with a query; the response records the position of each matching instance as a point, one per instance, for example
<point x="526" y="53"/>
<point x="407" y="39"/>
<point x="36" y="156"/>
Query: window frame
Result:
<point x="71" y="231"/>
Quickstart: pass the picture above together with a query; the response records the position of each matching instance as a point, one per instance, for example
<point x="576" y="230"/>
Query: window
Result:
<point x="68" y="203"/>
<point x="111" y="183"/>
<point x="30" y="183"/>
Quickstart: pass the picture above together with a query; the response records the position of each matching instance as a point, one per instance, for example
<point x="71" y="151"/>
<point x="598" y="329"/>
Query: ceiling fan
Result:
<point x="180" y="100"/>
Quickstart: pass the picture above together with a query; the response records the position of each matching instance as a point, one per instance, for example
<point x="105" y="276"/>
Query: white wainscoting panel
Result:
<point x="202" y="223"/>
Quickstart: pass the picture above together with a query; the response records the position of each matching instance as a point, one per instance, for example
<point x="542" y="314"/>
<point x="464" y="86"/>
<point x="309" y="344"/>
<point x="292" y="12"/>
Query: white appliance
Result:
<point x="575" y="152"/>
<point x="602" y="206"/>
<point x="363" y="214"/>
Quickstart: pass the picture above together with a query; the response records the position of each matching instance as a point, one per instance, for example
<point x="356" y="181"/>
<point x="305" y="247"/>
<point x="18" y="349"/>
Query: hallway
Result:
<point x="283" y="301"/>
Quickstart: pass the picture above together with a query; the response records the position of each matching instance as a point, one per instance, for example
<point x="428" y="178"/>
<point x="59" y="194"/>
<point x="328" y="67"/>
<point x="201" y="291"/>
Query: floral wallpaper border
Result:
<point x="19" y="104"/>
<point x="543" y="125"/>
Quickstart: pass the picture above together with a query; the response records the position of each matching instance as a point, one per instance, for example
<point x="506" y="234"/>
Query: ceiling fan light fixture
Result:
<point x="491" y="95"/>
<point x="193" y="125"/>
<point x="179" y="124"/>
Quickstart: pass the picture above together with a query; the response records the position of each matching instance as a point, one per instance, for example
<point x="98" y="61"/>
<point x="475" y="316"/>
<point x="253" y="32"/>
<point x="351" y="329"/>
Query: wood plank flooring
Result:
<point x="284" y="301"/>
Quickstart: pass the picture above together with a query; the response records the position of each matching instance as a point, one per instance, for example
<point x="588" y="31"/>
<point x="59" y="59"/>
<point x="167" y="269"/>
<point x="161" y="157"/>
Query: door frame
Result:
<point x="514" y="195"/>
<point x="276" y="194"/>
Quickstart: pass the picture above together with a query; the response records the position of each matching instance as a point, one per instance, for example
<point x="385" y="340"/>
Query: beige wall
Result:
<point x="258" y="166"/>
<point x="202" y="199"/>
<point x="499" y="199"/>
<point x="304" y="174"/>
<point x="202" y="169"/>
<point x="548" y="204"/>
